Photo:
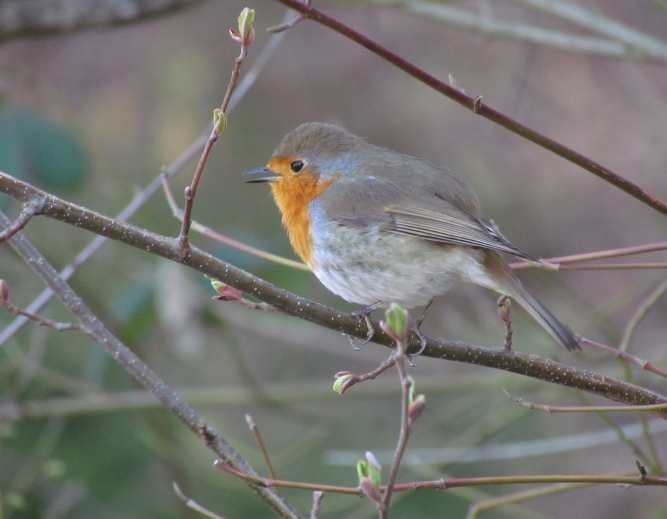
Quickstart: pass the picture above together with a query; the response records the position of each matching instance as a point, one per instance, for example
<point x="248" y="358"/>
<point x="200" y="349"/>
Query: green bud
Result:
<point x="341" y="383"/>
<point x="246" y="18"/>
<point x="397" y="320"/>
<point x="219" y="122"/>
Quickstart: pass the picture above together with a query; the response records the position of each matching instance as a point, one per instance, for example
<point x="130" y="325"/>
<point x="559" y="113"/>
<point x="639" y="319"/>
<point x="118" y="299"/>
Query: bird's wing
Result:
<point x="448" y="225"/>
<point x="406" y="210"/>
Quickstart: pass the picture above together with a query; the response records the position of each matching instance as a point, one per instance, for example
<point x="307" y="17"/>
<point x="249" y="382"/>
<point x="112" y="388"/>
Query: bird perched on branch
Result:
<point x="377" y="226"/>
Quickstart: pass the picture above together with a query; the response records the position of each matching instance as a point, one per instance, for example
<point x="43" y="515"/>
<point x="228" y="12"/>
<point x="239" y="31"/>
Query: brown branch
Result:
<point x="29" y="210"/>
<point x="524" y="364"/>
<point x="245" y="37"/>
<point x="29" y="18"/>
<point x="444" y="484"/>
<point x="476" y="106"/>
<point x="91" y="325"/>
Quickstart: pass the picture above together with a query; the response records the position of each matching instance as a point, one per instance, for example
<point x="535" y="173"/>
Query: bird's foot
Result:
<point x="365" y="312"/>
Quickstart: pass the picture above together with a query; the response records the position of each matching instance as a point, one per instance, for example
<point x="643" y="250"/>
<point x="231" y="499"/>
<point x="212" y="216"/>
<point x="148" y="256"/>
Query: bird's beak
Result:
<point x="256" y="171"/>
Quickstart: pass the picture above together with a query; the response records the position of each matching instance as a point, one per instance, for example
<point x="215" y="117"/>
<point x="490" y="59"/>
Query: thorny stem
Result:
<point x="478" y="107"/>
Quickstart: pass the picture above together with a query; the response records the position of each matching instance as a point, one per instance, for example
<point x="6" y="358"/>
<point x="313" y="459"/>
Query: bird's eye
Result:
<point x="297" y="166"/>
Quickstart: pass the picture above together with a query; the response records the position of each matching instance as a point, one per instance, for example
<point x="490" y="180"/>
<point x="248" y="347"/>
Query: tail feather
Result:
<point x="507" y="283"/>
<point x="539" y="312"/>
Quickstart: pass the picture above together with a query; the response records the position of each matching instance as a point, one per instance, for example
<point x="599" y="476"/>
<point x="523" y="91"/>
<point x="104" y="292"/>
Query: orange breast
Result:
<point x="293" y="193"/>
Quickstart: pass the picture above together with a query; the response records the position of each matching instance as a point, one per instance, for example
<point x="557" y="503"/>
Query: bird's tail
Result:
<point x="510" y="285"/>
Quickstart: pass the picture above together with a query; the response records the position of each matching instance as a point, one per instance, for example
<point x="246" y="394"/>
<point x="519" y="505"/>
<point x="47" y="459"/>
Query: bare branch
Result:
<point x="95" y="329"/>
<point x="482" y="109"/>
<point x="528" y="365"/>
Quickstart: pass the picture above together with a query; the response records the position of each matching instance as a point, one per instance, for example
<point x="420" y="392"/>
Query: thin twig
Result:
<point x="29" y="210"/>
<point x="486" y="24"/>
<point x="557" y="263"/>
<point x="615" y="266"/>
<point x="289" y="24"/>
<point x="406" y="426"/>
<point x="644" y="364"/>
<point x="504" y="308"/>
<point x="207" y="231"/>
<point x="352" y="379"/>
<point x="583" y="409"/>
<point x="58" y="326"/>
<point x="191" y="503"/>
<point x="92" y="326"/>
<point x="317" y="502"/>
<point x="443" y="484"/>
<point x="640" y="313"/>
<point x="191" y="190"/>
<point x="260" y="443"/>
<point x="142" y="196"/>
<point x="518" y="497"/>
<point x="480" y="108"/>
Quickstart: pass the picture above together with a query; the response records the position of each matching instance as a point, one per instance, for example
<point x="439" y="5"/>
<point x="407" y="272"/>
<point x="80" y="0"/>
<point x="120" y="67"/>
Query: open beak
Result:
<point x="256" y="171"/>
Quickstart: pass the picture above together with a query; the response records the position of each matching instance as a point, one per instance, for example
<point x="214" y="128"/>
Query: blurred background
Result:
<point x="94" y="116"/>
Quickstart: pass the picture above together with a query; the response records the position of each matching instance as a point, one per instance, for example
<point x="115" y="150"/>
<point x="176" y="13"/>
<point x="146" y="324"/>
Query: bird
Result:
<point x="376" y="226"/>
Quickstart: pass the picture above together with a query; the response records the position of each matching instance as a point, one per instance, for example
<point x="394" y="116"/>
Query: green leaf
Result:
<point x="36" y="149"/>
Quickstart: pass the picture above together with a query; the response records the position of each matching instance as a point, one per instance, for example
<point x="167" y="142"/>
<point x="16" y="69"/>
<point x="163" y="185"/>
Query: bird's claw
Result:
<point x="422" y="339"/>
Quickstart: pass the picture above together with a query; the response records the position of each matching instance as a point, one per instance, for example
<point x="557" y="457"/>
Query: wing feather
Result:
<point x="448" y="226"/>
<point x="437" y="209"/>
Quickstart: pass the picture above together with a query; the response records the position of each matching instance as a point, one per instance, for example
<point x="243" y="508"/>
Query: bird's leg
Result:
<point x="414" y="327"/>
<point x="365" y="312"/>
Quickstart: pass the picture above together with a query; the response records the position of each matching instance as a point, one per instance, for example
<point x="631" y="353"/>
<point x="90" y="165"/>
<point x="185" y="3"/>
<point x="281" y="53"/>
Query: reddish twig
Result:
<point x="476" y="105"/>
<point x="289" y="24"/>
<point x="615" y="266"/>
<point x="444" y="484"/>
<point x="258" y="438"/>
<point x="92" y="326"/>
<point x="244" y="36"/>
<point x="557" y="263"/>
<point x="207" y="231"/>
<point x="644" y="364"/>
<point x="351" y="379"/>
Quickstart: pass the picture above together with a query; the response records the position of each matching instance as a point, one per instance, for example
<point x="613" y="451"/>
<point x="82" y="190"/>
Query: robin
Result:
<point x="377" y="226"/>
